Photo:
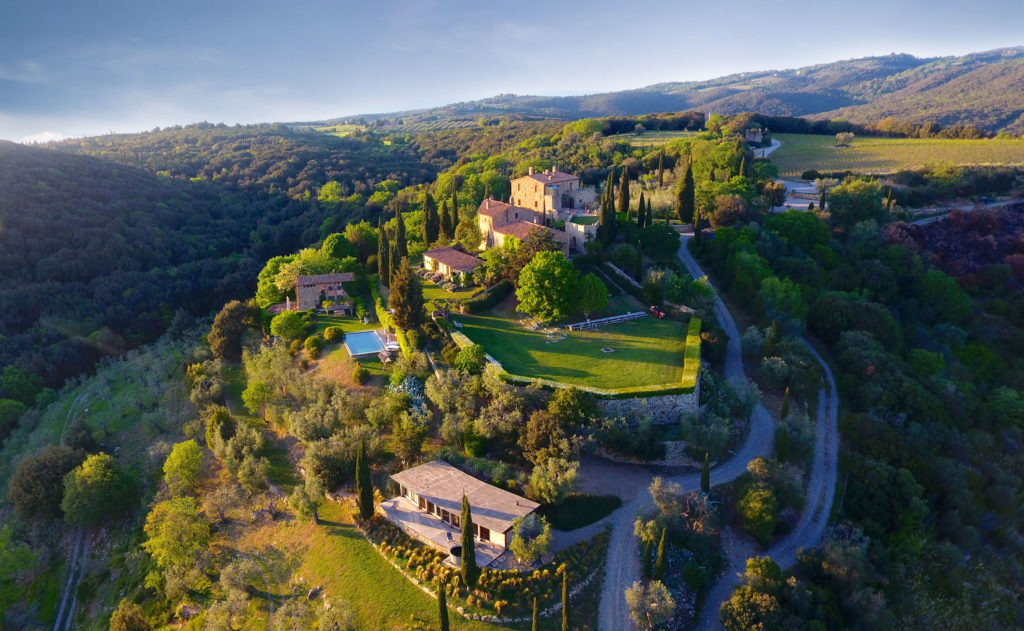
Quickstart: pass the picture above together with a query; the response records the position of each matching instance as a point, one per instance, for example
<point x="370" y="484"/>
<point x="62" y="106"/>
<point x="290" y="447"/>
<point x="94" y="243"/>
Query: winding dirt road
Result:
<point x="623" y="566"/>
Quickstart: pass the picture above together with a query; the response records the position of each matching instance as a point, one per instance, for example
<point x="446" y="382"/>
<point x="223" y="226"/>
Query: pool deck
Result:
<point x="432" y="531"/>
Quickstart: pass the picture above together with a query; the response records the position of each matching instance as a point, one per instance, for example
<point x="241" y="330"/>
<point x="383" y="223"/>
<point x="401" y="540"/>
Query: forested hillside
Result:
<point x="978" y="89"/>
<point x="96" y="256"/>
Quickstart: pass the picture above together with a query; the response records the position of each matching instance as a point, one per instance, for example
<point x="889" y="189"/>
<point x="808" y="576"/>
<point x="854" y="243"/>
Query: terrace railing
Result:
<point x="593" y="324"/>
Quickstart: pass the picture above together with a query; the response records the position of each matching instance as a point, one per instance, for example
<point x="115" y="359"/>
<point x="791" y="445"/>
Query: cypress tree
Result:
<point x="455" y="209"/>
<point x="661" y="168"/>
<point x="810" y="206"/>
<point x="393" y="261"/>
<point x="400" y="243"/>
<point x="442" y="607"/>
<point x="785" y="404"/>
<point x="705" y="474"/>
<point x="821" y="202"/>
<point x="469" y="569"/>
<point x="782" y="445"/>
<point x="684" y="196"/>
<point x="648" y="557"/>
<point x="659" y="565"/>
<point x="743" y="165"/>
<point x="406" y="299"/>
<point x="536" y="618"/>
<point x="431" y="222"/>
<point x="641" y="212"/>
<point x="447" y="229"/>
<point x="565" y="600"/>
<point x="624" y="191"/>
<point x="364" y="484"/>
<point x="383" y="255"/>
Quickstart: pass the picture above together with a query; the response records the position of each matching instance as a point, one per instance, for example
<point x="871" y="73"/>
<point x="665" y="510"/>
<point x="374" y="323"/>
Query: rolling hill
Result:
<point x="980" y="89"/>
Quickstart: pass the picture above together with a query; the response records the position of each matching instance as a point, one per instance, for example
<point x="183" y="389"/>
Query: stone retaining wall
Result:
<point x="662" y="410"/>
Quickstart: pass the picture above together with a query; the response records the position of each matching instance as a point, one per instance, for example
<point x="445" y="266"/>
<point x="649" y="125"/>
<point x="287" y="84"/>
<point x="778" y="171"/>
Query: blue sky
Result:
<point x="78" y="68"/>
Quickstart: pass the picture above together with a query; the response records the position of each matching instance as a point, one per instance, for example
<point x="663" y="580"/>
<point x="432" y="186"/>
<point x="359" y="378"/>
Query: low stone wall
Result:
<point x="662" y="410"/>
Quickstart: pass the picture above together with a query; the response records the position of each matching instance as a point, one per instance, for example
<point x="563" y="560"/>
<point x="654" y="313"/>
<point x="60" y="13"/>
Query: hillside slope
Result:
<point x="980" y="89"/>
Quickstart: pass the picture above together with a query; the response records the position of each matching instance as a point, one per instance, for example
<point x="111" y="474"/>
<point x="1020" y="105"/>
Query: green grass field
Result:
<point x="432" y="291"/>
<point x="652" y="138"/>
<point x="647" y="351"/>
<point x="801" y="152"/>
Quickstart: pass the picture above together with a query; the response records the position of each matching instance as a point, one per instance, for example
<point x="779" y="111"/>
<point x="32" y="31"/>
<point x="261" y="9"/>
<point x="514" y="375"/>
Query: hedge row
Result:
<point x="625" y="285"/>
<point x="488" y="298"/>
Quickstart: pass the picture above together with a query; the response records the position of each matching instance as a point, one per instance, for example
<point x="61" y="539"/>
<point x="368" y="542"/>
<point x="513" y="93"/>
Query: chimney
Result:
<point x="487" y="203"/>
<point x="554" y="169"/>
<point x="531" y="170"/>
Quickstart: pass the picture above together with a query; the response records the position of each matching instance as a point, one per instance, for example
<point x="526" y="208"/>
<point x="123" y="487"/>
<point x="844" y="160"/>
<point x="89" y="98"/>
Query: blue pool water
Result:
<point x="363" y="343"/>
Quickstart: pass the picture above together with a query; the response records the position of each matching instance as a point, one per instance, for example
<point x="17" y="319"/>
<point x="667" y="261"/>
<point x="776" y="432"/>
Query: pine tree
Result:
<point x="447" y="229"/>
<point x="364" y="484"/>
<point x="431" y="222"/>
<point x="705" y="474"/>
<point x="624" y="191"/>
<point x="659" y="565"/>
<point x="661" y="168"/>
<point x="442" y="607"/>
<point x="565" y="600"/>
<point x="469" y="569"/>
<point x="400" y="243"/>
<point x="684" y="196"/>
<point x="383" y="255"/>
<point x="536" y="617"/>
<point x="406" y="299"/>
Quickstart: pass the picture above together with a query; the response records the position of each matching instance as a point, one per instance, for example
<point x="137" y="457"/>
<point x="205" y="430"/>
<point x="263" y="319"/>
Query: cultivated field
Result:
<point x="652" y="138"/>
<point x="800" y="152"/>
<point x="646" y="352"/>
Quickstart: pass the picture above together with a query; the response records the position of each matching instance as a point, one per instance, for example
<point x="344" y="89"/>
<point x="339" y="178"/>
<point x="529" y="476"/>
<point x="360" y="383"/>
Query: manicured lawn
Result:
<point x="349" y="324"/>
<point x="433" y="291"/>
<point x="579" y="510"/>
<point x="646" y="352"/>
<point x="801" y="152"/>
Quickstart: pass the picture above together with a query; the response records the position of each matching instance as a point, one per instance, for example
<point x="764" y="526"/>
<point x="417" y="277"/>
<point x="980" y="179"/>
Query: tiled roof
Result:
<point x="444" y="485"/>
<point x="519" y="229"/>
<point x="320" y="279"/>
<point x="491" y="208"/>
<point x="549" y="178"/>
<point x="455" y="259"/>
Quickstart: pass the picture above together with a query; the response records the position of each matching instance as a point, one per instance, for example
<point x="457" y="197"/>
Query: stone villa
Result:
<point x="308" y="289"/>
<point x="551" y="194"/>
<point x="450" y="262"/>
<point x="429" y="507"/>
<point x="499" y="221"/>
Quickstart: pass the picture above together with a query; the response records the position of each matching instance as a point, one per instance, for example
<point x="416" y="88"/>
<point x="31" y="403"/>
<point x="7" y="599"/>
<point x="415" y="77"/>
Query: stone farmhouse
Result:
<point x="552" y="194"/>
<point x="308" y="289"/>
<point x="429" y="507"/>
<point x="499" y="221"/>
<point x="450" y="262"/>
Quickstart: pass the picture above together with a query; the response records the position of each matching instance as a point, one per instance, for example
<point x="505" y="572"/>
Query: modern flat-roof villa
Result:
<point x="429" y="508"/>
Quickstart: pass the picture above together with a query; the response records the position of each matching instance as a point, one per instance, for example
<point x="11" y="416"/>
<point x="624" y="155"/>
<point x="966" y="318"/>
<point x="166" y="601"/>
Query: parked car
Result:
<point x="656" y="311"/>
<point x="987" y="200"/>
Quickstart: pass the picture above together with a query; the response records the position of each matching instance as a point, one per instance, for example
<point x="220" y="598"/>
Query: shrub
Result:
<point x="758" y="510"/>
<point x="313" y="345"/>
<point x="360" y="374"/>
<point x="415" y="338"/>
<point x="471" y="359"/>
<point x="294" y="347"/>
<point x="334" y="334"/>
<point x="489" y="298"/>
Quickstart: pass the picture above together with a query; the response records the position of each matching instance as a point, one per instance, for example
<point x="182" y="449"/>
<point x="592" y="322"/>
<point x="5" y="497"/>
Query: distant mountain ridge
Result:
<point x="981" y="89"/>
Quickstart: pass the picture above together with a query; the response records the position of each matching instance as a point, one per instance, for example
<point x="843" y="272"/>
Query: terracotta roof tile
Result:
<point x="455" y="259"/>
<point x="318" y="279"/>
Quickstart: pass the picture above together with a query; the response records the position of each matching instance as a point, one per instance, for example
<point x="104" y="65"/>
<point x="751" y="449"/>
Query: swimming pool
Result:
<point x="363" y="343"/>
